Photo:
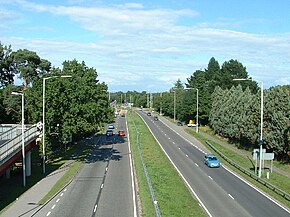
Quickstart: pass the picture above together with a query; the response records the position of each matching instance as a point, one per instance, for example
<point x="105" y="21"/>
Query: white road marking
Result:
<point x="168" y="138"/>
<point x="186" y="155"/>
<point x="95" y="209"/>
<point x="231" y="196"/>
<point x="102" y="185"/>
<point x="53" y="206"/>
<point x="210" y="177"/>
<point x="57" y="200"/>
<point x="64" y="190"/>
<point x="61" y="194"/>
<point x="173" y="142"/>
<point x="48" y="213"/>
<point x="196" y="164"/>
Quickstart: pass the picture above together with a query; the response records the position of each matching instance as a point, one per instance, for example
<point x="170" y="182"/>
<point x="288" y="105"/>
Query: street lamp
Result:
<point x="261" y="131"/>
<point x="43" y="116"/>
<point x="188" y="88"/>
<point x="22" y="132"/>
<point x="174" y="104"/>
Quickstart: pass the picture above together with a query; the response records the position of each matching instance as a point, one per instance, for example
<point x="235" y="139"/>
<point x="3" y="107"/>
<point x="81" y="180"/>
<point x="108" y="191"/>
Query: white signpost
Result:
<point x="265" y="156"/>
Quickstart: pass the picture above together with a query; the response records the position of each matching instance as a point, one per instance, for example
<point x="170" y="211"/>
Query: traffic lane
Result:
<point x="79" y="197"/>
<point x="256" y="203"/>
<point x="215" y="199"/>
<point x="116" y="198"/>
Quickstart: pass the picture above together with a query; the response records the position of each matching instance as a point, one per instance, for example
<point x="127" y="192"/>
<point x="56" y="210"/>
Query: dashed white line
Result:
<point x="61" y="194"/>
<point x="48" y="213"/>
<point x="95" y="209"/>
<point x="53" y="206"/>
<point x="102" y="185"/>
<point x="178" y="148"/>
<point x="168" y="138"/>
<point x="186" y="155"/>
<point x="173" y="142"/>
<point x="231" y="196"/>
<point x="210" y="177"/>
<point x="64" y="190"/>
<point x="196" y="164"/>
<point x="57" y="200"/>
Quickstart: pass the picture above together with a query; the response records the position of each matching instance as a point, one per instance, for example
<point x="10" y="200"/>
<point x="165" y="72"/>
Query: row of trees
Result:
<point x="235" y="114"/>
<point x="231" y="108"/>
<point x="75" y="106"/>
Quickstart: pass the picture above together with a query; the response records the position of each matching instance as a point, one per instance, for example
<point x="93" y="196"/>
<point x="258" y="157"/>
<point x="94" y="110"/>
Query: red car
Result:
<point x="121" y="133"/>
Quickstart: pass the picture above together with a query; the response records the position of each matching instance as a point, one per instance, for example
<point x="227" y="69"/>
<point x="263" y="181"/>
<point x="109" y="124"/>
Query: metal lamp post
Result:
<point x="261" y="123"/>
<point x="174" y="105"/>
<point x="188" y="88"/>
<point x="22" y="135"/>
<point x="43" y="117"/>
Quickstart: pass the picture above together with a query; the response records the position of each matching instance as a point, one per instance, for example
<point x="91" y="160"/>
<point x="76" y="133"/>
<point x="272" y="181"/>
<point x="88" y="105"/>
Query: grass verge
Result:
<point x="276" y="179"/>
<point x="65" y="179"/>
<point x="174" y="199"/>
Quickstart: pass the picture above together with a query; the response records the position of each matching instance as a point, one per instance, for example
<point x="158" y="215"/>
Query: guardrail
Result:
<point x="156" y="207"/>
<point x="252" y="175"/>
<point x="10" y="147"/>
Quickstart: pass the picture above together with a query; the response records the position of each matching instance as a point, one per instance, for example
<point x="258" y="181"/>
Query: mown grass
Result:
<point x="64" y="180"/>
<point x="276" y="179"/>
<point x="174" y="199"/>
<point x="12" y="188"/>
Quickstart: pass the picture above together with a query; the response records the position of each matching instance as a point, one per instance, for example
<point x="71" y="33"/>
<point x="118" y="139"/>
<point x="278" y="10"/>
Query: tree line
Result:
<point x="74" y="106"/>
<point x="231" y="108"/>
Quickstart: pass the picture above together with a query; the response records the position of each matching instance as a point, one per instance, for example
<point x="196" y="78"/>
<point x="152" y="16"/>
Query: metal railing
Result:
<point x="9" y="148"/>
<point x="252" y="175"/>
<point x="155" y="203"/>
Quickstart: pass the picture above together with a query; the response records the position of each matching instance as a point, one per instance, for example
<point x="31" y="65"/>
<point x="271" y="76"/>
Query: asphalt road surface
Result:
<point x="219" y="191"/>
<point x="104" y="185"/>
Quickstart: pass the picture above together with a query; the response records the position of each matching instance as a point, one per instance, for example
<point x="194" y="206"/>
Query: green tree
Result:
<point x="6" y="72"/>
<point x="29" y="65"/>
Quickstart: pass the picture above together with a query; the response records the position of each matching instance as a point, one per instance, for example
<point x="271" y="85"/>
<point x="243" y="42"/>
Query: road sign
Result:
<point x="265" y="156"/>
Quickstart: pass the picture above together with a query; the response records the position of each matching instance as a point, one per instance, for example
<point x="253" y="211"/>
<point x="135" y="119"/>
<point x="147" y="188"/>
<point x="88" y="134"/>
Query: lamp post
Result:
<point x="174" y="105"/>
<point x="22" y="135"/>
<point x="261" y="123"/>
<point x="188" y="88"/>
<point x="43" y="117"/>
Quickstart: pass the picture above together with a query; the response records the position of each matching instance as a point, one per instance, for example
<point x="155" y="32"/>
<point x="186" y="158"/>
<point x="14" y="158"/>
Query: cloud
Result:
<point x="147" y="47"/>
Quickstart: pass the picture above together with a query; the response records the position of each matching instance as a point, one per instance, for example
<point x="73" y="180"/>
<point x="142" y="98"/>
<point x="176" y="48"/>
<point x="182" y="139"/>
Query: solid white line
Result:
<point x="186" y="182"/>
<point x="132" y="173"/>
<point x="95" y="209"/>
<point x="48" y="213"/>
<point x="254" y="187"/>
<point x="53" y="206"/>
<point x="231" y="196"/>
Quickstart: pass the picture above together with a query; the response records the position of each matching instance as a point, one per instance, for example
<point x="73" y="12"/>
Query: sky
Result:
<point x="148" y="45"/>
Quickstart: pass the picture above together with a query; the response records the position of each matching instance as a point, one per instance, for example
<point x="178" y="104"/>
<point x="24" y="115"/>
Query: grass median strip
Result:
<point x="174" y="199"/>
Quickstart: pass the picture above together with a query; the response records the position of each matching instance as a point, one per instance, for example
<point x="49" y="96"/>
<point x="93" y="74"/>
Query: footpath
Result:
<point x="27" y="204"/>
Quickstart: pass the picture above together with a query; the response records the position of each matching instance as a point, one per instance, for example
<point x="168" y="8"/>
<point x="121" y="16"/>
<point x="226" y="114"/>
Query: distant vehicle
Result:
<point x="123" y="115"/>
<point x="111" y="126"/>
<point x="156" y="118"/>
<point x="148" y="113"/>
<point x="121" y="133"/>
<point x="109" y="133"/>
<point x="191" y="123"/>
<point x="179" y="123"/>
<point x="211" y="160"/>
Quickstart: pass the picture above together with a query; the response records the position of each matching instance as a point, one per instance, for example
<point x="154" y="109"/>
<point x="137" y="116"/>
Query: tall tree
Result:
<point x="29" y="65"/>
<point x="6" y="71"/>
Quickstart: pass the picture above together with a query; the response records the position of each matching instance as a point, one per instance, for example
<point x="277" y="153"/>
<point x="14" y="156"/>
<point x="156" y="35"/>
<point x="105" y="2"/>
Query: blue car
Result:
<point x="211" y="160"/>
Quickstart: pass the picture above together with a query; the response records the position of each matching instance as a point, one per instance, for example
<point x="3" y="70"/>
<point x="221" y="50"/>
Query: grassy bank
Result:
<point x="174" y="199"/>
<point x="276" y="179"/>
